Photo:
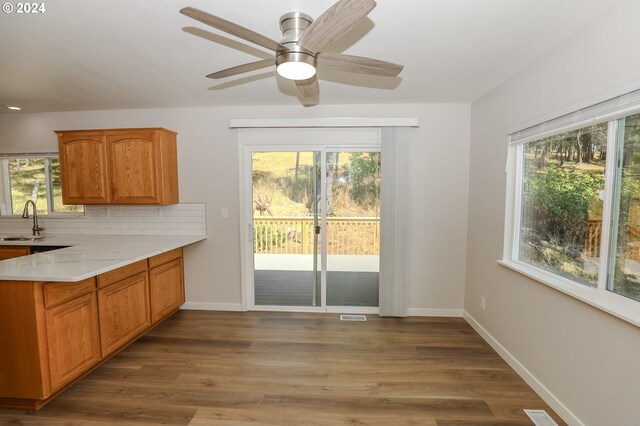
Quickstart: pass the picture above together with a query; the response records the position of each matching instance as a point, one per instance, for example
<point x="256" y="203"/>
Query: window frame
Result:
<point x="615" y="304"/>
<point x="6" y="183"/>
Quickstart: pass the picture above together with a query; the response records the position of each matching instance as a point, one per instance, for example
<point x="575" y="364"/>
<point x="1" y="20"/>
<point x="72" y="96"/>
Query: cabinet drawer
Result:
<point x="57" y="293"/>
<point x="121" y="273"/>
<point x="165" y="257"/>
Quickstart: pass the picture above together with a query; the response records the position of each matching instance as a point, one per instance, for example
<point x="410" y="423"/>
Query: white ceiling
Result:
<point x="113" y="54"/>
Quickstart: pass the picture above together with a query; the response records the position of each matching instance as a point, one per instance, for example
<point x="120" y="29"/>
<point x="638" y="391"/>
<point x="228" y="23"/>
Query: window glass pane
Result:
<point x="353" y="228"/>
<point x="625" y="277"/>
<point x="27" y="183"/>
<point x="25" y="178"/>
<point x="561" y="218"/>
<point x="56" y="190"/>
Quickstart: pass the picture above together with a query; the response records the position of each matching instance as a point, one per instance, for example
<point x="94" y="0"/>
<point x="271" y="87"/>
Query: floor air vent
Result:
<point x="540" y="418"/>
<point x="353" y="317"/>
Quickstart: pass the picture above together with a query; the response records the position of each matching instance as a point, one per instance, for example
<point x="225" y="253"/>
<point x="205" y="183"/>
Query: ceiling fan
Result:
<point x="300" y="52"/>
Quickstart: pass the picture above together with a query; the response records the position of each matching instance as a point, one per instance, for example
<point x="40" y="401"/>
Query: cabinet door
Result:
<point x="124" y="312"/>
<point x="134" y="168"/>
<point x="9" y="252"/>
<point x="83" y="168"/>
<point x="73" y="339"/>
<point x="167" y="289"/>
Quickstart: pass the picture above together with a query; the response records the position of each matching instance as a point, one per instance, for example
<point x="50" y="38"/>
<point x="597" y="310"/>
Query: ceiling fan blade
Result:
<point x="357" y="64"/>
<point x="334" y="23"/>
<point x="231" y="28"/>
<point x="308" y="91"/>
<point x="251" y="66"/>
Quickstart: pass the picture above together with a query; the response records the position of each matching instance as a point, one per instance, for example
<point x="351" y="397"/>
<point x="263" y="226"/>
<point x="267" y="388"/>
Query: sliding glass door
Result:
<point x="352" y="228"/>
<point x="315" y="228"/>
<point x="286" y="228"/>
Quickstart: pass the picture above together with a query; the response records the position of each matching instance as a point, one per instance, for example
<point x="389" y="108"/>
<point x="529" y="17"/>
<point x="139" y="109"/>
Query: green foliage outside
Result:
<point x="28" y="182"/>
<point x="285" y="180"/>
<point x="555" y="225"/>
<point x="562" y="180"/>
<point x="364" y="172"/>
<point x="626" y="278"/>
<point x="26" y="175"/>
<point x="560" y="200"/>
<point x="266" y="237"/>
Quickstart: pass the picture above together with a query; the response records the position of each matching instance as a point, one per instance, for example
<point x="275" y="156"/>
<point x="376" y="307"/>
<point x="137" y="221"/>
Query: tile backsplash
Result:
<point x="176" y="219"/>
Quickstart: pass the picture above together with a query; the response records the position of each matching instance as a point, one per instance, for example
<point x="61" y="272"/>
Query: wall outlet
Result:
<point x="224" y="212"/>
<point x="483" y="302"/>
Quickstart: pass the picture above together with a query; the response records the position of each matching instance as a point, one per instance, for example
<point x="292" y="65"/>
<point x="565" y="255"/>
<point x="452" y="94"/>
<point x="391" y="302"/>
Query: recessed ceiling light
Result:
<point x="14" y="108"/>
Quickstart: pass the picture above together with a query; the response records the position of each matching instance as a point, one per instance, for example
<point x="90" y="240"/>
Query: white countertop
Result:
<point x="86" y="256"/>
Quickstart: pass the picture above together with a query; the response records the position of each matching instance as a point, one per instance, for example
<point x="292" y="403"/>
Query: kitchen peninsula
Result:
<point x="65" y="311"/>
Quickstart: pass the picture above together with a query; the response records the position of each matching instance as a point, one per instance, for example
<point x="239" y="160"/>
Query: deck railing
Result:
<point x="294" y="235"/>
<point x="592" y="245"/>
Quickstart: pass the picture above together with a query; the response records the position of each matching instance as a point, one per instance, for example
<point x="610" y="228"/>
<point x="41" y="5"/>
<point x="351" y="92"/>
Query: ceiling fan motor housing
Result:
<point x="293" y="26"/>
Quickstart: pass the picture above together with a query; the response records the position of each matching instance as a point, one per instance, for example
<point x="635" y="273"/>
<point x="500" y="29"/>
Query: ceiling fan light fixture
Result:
<point x="296" y="65"/>
<point x="302" y="46"/>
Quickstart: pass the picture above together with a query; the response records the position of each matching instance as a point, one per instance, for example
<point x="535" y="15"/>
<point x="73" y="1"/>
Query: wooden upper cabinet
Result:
<point x="83" y="168"/>
<point x="119" y="166"/>
<point x="134" y="167"/>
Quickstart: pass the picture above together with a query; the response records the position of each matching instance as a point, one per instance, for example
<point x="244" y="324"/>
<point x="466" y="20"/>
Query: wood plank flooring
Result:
<point x="228" y="368"/>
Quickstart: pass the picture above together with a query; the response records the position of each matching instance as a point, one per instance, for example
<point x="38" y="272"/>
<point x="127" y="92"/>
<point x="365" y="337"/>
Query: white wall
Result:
<point x="208" y="172"/>
<point x="587" y="359"/>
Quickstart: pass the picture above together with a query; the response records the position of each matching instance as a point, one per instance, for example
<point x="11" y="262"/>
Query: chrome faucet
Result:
<point x="25" y="215"/>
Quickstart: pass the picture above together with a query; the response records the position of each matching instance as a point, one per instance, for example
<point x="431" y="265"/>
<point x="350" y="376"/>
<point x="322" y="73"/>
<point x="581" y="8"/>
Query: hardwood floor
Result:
<point x="229" y="368"/>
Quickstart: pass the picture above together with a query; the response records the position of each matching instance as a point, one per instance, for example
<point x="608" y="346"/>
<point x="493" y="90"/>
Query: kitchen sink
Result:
<point x="43" y="249"/>
<point x="20" y="238"/>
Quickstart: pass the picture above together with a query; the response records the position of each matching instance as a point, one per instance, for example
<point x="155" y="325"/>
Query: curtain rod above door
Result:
<point x="236" y="123"/>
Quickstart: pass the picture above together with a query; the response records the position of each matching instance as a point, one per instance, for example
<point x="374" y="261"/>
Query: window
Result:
<point x="624" y="276"/>
<point x="32" y="177"/>
<point x="573" y="207"/>
<point x="561" y="220"/>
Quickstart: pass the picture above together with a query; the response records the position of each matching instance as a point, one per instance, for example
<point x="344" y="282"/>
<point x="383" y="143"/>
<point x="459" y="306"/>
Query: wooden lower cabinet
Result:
<point x="166" y="289"/>
<point x="51" y="334"/>
<point x="124" y="312"/>
<point x="9" y="252"/>
<point x="73" y="339"/>
<point x="45" y="345"/>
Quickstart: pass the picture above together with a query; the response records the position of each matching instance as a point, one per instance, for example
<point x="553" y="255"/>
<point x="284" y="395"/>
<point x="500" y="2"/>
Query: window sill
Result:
<point x="609" y="302"/>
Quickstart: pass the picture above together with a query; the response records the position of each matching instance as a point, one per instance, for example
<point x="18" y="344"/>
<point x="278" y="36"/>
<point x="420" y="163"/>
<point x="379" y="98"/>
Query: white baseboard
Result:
<point x="237" y="307"/>
<point x="526" y="375"/>
<point x="434" y="312"/>
<point x="205" y="306"/>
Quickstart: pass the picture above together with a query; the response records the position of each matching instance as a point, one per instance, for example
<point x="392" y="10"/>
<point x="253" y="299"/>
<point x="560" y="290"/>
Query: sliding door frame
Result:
<point x="322" y="140"/>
